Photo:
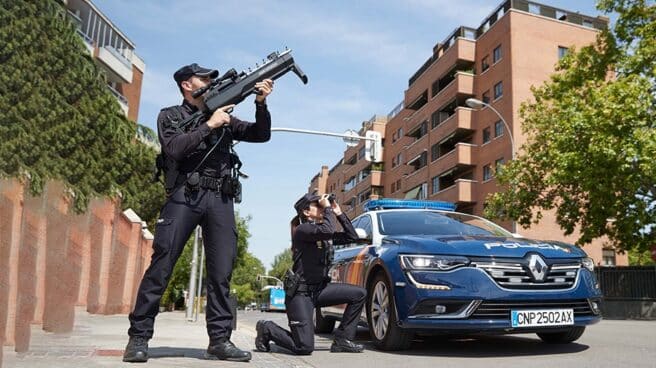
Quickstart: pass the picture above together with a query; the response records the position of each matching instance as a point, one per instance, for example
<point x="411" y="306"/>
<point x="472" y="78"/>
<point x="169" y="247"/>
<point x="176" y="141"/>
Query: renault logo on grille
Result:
<point x="537" y="266"/>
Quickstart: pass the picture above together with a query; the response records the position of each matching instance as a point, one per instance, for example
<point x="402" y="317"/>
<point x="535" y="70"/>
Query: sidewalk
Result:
<point x="98" y="341"/>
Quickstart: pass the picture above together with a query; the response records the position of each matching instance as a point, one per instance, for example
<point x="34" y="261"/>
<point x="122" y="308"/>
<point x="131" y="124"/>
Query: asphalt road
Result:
<point x="609" y="343"/>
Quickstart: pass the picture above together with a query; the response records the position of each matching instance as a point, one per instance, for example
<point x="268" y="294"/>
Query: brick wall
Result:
<point x="52" y="259"/>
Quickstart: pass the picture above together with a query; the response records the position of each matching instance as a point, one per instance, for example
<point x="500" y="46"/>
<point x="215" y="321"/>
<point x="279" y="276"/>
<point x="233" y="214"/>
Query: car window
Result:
<point x="365" y="224"/>
<point x="435" y="223"/>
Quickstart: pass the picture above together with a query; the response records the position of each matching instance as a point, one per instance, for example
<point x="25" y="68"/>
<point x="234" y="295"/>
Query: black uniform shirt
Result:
<point x="310" y="243"/>
<point x="185" y="146"/>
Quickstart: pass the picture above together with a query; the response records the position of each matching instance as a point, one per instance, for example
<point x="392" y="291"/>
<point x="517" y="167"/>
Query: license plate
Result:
<point x="542" y="317"/>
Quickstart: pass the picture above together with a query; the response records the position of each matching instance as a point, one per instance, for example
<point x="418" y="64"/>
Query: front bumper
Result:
<point x="476" y="303"/>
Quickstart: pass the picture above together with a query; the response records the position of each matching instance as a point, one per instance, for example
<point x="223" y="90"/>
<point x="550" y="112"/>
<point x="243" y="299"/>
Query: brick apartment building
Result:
<point x="113" y="52"/>
<point x="436" y="147"/>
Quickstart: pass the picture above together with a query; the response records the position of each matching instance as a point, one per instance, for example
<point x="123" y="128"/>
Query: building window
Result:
<point x="497" y="165"/>
<point x="608" y="257"/>
<point x="435" y="119"/>
<point x="498" y="129"/>
<point x="496" y="55"/>
<point x="420" y="130"/>
<point x="435" y="152"/>
<point x="396" y="160"/>
<point x="419" y="161"/>
<point x="364" y="196"/>
<point x="487" y="172"/>
<point x="486" y="97"/>
<point x="498" y="90"/>
<point x="562" y="51"/>
<point x="587" y="23"/>
<point x="423" y="193"/>
<point x="561" y="15"/>
<point x="435" y="184"/>
<point x="485" y="63"/>
<point x="533" y="8"/>
<point x="486" y="135"/>
<point x="397" y="135"/>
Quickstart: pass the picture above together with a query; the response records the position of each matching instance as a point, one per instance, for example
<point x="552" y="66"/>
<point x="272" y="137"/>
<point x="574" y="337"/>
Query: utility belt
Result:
<point x="211" y="183"/>
<point x="226" y="184"/>
<point x="310" y="288"/>
<point x="294" y="284"/>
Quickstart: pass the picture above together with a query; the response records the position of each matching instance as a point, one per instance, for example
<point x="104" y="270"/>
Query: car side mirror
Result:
<point x="517" y="235"/>
<point x="362" y="234"/>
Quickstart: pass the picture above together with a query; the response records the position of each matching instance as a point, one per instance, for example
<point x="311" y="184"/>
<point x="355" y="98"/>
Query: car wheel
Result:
<point x="381" y="317"/>
<point x="323" y="324"/>
<point x="562" y="337"/>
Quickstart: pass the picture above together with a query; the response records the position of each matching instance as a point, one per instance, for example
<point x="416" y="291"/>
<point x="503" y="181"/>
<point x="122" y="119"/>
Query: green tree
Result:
<point x="244" y="278"/>
<point x="281" y="263"/>
<point x="641" y="258"/>
<point x="59" y="121"/>
<point x="591" y="140"/>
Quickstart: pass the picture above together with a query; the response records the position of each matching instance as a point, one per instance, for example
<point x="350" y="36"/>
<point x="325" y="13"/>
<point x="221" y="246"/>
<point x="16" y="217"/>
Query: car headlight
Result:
<point x="432" y="262"/>
<point x="588" y="263"/>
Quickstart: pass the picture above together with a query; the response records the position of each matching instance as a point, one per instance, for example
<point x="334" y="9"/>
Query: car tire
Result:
<point x="323" y="324"/>
<point x="381" y="317"/>
<point x="563" y="337"/>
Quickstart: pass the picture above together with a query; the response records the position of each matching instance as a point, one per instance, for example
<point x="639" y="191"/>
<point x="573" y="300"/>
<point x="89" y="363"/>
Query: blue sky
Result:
<point x="358" y="56"/>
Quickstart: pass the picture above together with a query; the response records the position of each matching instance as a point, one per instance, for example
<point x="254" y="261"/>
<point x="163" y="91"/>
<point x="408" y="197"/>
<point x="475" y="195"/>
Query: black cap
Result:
<point x="190" y="70"/>
<point x="304" y="202"/>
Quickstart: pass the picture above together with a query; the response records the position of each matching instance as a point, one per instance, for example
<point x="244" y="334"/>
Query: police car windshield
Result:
<point x="436" y="223"/>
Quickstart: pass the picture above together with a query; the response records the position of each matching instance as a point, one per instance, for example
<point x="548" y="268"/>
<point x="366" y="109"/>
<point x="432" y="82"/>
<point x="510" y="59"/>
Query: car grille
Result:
<point x="516" y="275"/>
<point x="501" y="309"/>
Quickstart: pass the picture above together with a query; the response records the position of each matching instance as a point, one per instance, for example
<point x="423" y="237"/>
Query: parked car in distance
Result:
<point x="430" y="270"/>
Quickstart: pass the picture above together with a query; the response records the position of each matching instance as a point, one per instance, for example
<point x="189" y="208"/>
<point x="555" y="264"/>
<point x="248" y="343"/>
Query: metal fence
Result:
<point x="628" y="283"/>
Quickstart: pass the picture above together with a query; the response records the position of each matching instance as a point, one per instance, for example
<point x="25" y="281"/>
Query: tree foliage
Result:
<point x="281" y="263"/>
<point x="59" y="121"/>
<point x="591" y="141"/>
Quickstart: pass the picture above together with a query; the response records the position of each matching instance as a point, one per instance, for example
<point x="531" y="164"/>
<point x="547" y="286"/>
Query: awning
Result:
<point x="445" y="139"/>
<point x="411" y="162"/>
<point x="413" y="193"/>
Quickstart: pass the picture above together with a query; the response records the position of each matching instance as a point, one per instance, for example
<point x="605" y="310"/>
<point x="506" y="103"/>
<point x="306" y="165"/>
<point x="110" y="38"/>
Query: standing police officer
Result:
<point x="312" y="231"/>
<point x="200" y="182"/>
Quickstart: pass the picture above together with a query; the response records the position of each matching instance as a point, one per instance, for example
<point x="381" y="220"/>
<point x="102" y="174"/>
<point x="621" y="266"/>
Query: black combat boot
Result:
<point x="226" y="350"/>
<point x="341" y="345"/>
<point x="137" y="350"/>
<point x="262" y="338"/>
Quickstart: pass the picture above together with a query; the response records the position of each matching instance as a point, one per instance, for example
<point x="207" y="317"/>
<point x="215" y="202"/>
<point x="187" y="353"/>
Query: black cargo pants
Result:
<point x="214" y="212"/>
<point x="300" y="308"/>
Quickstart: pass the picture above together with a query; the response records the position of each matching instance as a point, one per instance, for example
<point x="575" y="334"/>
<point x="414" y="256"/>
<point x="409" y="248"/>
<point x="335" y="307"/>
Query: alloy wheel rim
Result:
<point x="380" y="310"/>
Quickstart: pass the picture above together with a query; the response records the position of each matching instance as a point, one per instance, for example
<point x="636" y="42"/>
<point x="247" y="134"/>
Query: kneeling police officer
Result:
<point x="313" y="230"/>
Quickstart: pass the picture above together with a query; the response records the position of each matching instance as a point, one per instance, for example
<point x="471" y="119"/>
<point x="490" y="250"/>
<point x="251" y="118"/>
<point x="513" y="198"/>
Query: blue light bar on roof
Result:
<point x="389" y="203"/>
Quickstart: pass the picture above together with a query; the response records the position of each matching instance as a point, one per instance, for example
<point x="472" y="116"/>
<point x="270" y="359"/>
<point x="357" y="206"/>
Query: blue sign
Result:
<point x="277" y="299"/>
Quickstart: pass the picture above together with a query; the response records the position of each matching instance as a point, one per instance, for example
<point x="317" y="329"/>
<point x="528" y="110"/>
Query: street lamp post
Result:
<point x="478" y="104"/>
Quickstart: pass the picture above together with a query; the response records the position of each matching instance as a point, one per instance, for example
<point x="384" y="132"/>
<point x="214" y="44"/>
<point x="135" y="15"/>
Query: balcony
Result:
<point x="462" y="85"/>
<point x="456" y="160"/>
<point x="457" y="125"/>
<point x="122" y="101"/>
<point x="462" y="38"/>
<point x="460" y="192"/>
<point x="118" y="66"/>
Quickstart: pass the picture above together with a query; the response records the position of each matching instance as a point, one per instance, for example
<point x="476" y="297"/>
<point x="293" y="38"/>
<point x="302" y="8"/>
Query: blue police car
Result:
<point x="428" y="269"/>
